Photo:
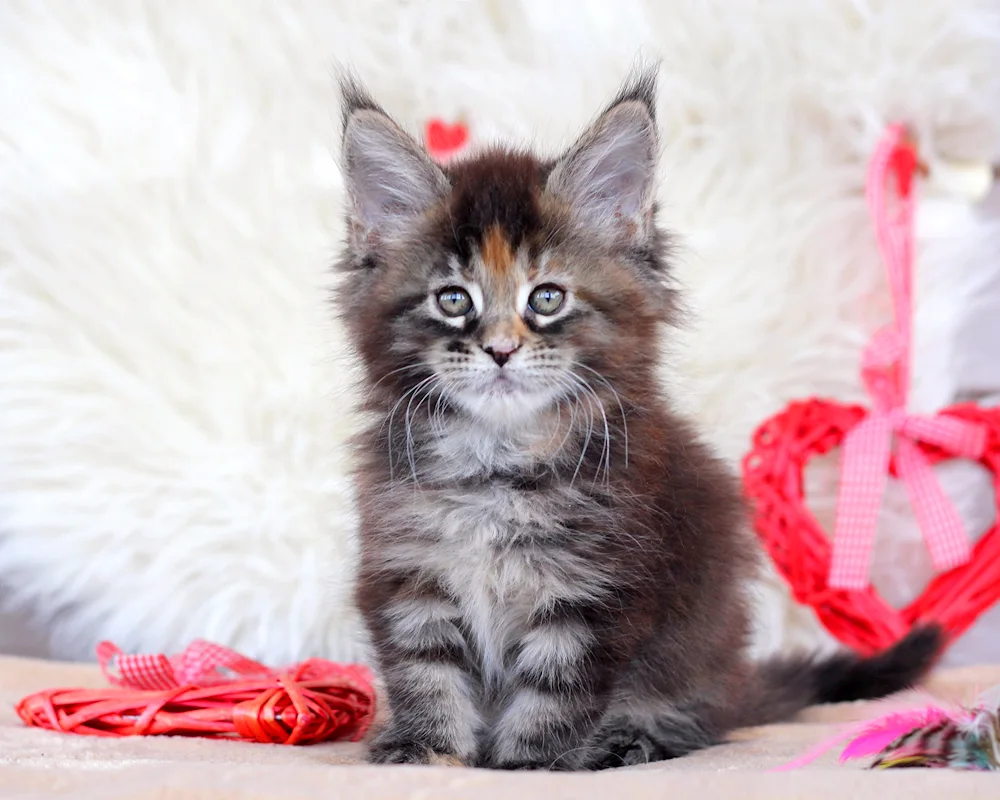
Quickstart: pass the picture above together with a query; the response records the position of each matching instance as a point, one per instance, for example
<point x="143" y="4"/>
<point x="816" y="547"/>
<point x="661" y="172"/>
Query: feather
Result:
<point x="927" y="746"/>
<point x="880" y="733"/>
<point x="933" y="736"/>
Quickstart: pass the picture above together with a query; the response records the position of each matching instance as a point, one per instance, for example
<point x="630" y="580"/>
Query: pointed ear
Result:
<point x="390" y="179"/>
<point x="607" y="175"/>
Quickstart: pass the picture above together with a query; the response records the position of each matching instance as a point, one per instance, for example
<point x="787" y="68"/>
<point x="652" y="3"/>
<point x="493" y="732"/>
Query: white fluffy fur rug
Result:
<point x="173" y="394"/>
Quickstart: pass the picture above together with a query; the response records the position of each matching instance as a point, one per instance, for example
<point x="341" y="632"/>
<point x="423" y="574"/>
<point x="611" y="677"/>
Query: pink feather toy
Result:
<point x="932" y="737"/>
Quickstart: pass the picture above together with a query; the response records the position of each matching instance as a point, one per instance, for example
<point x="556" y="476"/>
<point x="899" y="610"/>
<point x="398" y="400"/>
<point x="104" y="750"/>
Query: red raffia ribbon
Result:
<point x="211" y="691"/>
<point x="867" y="448"/>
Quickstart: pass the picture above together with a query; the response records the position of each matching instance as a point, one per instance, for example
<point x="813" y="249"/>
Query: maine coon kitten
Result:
<point x="554" y="565"/>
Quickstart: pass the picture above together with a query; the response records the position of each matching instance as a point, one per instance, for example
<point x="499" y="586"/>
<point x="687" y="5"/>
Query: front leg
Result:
<point x="430" y="680"/>
<point x="559" y="682"/>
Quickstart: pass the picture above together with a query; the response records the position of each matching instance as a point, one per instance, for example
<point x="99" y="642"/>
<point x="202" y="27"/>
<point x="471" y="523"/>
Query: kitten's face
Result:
<point x="503" y="350"/>
<point x="503" y="286"/>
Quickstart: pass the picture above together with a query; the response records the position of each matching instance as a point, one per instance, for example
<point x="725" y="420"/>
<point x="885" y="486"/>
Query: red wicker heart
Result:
<point x="773" y="475"/>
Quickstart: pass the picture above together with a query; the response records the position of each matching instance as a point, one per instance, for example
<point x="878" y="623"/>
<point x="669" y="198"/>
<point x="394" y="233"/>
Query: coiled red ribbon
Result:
<point x="210" y="690"/>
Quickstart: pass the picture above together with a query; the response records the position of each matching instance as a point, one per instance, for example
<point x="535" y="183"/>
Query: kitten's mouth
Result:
<point x="503" y="383"/>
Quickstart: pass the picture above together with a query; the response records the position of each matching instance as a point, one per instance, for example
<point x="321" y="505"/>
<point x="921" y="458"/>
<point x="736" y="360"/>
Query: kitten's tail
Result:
<point x="786" y="685"/>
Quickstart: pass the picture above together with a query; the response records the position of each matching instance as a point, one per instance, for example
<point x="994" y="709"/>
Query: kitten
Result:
<point x="554" y="566"/>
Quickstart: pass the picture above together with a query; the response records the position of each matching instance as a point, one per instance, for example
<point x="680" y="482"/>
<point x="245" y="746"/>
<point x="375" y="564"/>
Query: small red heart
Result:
<point x="444" y="140"/>
<point x="773" y="478"/>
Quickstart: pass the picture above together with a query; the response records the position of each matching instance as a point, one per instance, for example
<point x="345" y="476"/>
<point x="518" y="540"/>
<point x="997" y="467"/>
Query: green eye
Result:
<point x="547" y="299"/>
<point x="454" y="302"/>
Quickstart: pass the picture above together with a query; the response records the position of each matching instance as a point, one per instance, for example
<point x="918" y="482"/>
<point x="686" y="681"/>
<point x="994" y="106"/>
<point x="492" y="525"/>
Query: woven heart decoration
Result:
<point x="877" y="443"/>
<point x="774" y="479"/>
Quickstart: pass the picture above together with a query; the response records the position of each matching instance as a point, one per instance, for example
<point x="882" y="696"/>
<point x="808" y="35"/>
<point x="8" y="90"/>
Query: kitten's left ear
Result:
<point x="607" y="175"/>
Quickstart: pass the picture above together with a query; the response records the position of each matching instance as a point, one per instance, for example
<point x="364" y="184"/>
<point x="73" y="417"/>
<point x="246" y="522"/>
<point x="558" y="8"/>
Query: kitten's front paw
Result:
<point x="622" y="743"/>
<point x="391" y="752"/>
<point x="624" y="746"/>
<point x="525" y="765"/>
<point x="399" y="751"/>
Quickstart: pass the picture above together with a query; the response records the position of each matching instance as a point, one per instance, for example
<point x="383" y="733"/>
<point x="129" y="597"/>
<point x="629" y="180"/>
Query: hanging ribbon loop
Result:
<point x="868" y="448"/>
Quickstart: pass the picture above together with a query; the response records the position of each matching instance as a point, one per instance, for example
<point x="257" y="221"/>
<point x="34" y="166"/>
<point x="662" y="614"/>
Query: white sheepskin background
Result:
<point x="173" y="394"/>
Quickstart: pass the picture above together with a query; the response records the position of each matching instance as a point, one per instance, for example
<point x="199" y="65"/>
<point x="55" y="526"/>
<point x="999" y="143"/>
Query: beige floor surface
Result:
<point x="36" y="763"/>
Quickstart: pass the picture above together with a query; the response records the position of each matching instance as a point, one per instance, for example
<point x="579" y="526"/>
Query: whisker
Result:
<point x="388" y="421"/>
<point x="605" y="458"/>
<point x="585" y="748"/>
<point x="427" y="383"/>
<point x="618" y="399"/>
<point x="392" y="415"/>
<point x="405" y="368"/>
<point x="586" y="444"/>
<point x="565" y="384"/>
<point x="437" y="416"/>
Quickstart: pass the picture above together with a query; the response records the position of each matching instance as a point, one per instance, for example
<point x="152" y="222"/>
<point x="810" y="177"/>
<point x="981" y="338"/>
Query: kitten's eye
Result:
<point x="547" y="299"/>
<point x="454" y="302"/>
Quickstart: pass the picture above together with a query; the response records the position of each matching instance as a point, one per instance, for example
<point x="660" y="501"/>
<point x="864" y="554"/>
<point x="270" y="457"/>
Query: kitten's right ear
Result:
<point x="390" y="178"/>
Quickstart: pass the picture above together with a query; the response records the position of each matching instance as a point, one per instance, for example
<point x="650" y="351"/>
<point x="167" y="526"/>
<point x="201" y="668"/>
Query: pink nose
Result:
<point x="500" y="351"/>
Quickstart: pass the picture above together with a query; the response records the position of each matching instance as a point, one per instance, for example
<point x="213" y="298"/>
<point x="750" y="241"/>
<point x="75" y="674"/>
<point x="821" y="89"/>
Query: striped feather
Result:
<point x="932" y="738"/>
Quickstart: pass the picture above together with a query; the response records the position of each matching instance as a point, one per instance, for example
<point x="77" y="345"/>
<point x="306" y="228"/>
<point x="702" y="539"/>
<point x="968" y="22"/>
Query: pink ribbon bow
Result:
<point x="205" y="664"/>
<point x="867" y="449"/>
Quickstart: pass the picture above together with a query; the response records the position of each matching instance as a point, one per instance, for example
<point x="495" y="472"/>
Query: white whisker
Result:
<point x="604" y="462"/>
<point x="392" y="414"/>
<point x="428" y="385"/>
<point x="618" y="399"/>
<point x="586" y="443"/>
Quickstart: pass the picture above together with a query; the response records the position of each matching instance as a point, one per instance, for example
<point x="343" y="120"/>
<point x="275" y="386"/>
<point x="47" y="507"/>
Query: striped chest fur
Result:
<point x="504" y="553"/>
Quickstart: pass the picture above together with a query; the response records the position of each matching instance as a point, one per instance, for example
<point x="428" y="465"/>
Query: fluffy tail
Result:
<point x="786" y="685"/>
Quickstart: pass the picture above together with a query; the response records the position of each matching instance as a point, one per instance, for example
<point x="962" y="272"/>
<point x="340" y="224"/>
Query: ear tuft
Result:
<point x="639" y="87"/>
<point x="354" y="97"/>
<point x="390" y="179"/>
<point x="607" y="175"/>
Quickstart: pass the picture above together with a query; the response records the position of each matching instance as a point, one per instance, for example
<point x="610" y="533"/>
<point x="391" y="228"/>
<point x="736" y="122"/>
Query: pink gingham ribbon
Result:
<point x="202" y="664"/>
<point x="205" y="664"/>
<point x="867" y="449"/>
